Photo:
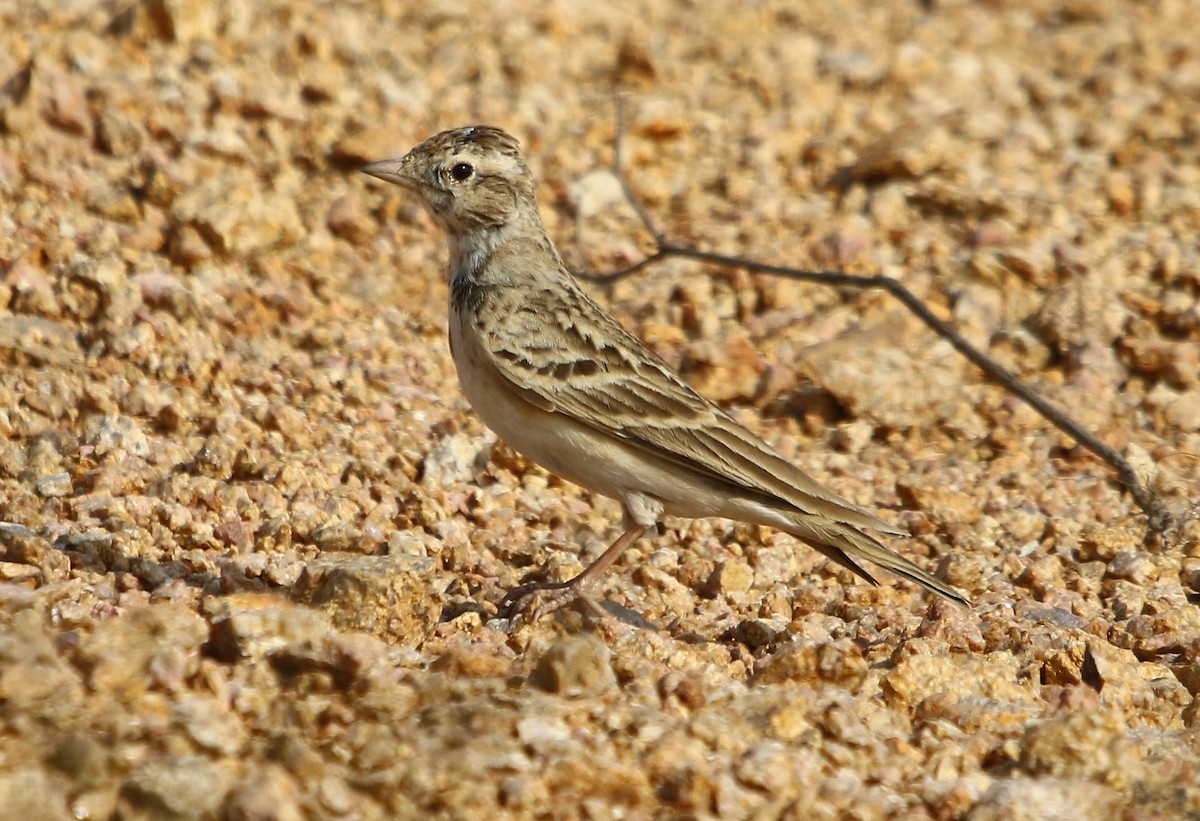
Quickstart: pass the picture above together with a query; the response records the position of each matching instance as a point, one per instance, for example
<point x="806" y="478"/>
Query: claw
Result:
<point x="536" y="600"/>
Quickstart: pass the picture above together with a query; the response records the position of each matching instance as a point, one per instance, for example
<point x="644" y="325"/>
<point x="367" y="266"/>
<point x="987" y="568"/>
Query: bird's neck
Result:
<point x="470" y="251"/>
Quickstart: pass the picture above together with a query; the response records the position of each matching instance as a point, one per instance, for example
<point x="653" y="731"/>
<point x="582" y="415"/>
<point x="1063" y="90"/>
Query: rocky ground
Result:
<point x="253" y="538"/>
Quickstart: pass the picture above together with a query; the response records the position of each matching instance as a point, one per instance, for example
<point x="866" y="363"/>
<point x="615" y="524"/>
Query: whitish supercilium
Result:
<point x="561" y="381"/>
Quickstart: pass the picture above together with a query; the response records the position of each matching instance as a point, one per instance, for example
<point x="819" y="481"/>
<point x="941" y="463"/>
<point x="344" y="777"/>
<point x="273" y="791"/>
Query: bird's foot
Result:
<point x="532" y="601"/>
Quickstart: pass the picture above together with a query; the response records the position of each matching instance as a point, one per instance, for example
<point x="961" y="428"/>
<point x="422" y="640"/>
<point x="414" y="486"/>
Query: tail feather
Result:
<point x="845" y="543"/>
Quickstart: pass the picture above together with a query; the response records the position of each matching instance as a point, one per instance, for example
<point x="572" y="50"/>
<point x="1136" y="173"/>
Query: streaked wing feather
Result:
<point x="618" y="385"/>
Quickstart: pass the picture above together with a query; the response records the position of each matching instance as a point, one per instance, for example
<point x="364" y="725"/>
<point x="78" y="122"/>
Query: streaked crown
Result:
<point x="467" y="178"/>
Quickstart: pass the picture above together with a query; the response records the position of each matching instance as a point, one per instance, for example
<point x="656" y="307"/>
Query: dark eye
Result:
<point x="461" y="171"/>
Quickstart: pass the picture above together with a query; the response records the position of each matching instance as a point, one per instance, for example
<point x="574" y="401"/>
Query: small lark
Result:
<point x="562" y="382"/>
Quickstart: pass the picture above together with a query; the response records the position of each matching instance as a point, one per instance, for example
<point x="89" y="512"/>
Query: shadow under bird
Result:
<point x="565" y="384"/>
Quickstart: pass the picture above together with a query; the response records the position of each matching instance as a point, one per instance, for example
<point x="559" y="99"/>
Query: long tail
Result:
<point x="845" y="543"/>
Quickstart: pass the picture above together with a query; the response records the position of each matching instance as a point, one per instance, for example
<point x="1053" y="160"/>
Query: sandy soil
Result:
<point x="253" y="537"/>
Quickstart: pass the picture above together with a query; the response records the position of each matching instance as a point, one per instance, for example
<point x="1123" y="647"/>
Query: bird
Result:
<point x="566" y="385"/>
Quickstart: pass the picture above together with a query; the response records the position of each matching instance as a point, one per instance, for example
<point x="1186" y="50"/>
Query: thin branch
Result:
<point x="660" y="239"/>
<point x="1158" y="517"/>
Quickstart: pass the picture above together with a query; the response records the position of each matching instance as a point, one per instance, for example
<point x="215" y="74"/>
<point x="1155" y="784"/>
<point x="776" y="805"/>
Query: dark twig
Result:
<point x="1158" y="517"/>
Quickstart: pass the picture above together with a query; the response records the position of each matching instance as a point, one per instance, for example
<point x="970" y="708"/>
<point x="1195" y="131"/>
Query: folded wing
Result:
<point x="586" y="365"/>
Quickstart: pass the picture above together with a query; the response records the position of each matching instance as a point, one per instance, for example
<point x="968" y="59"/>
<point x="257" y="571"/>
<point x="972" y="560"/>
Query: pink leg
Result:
<point x="550" y="596"/>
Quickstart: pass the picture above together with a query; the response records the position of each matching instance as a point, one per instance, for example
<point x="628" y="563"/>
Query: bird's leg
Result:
<point x="541" y="598"/>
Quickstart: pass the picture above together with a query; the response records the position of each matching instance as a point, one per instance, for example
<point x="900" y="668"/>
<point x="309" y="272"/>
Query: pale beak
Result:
<point x="394" y="171"/>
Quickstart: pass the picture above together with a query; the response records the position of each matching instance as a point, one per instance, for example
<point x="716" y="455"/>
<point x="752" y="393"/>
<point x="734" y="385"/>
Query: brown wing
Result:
<point x="583" y="363"/>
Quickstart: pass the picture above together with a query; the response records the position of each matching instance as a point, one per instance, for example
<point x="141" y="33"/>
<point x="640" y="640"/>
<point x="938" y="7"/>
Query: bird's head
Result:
<point x="469" y="179"/>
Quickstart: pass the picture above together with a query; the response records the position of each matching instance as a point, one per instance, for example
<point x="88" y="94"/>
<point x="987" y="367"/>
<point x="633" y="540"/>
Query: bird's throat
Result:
<point x="469" y="255"/>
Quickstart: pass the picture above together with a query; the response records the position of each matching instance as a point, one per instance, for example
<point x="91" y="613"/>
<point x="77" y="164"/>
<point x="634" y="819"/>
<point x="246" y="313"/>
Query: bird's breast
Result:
<point x="556" y="441"/>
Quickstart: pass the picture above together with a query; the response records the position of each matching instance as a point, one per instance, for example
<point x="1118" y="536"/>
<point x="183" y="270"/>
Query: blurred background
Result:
<point x="252" y="534"/>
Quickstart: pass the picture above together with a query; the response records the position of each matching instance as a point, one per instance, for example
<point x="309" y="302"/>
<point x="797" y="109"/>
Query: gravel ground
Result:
<point x="253" y="537"/>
